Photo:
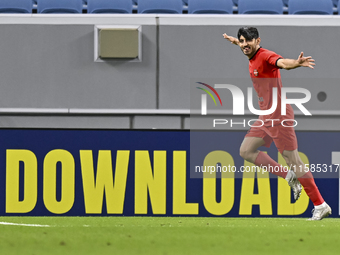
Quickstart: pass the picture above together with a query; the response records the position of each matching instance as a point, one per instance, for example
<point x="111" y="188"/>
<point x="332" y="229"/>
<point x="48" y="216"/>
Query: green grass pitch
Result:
<point x="167" y="235"/>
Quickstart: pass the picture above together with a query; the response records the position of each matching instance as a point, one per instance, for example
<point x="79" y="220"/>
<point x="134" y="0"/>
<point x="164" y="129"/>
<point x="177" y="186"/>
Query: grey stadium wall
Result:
<point x="49" y="78"/>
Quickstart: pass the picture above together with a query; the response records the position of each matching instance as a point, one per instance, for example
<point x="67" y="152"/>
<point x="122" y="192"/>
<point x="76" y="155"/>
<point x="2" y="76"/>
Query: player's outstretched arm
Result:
<point x="288" y="64"/>
<point x="231" y="39"/>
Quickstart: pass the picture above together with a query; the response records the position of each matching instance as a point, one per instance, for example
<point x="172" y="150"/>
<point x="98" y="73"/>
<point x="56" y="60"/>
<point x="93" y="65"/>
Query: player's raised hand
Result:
<point x="231" y="39"/>
<point x="306" y="61"/>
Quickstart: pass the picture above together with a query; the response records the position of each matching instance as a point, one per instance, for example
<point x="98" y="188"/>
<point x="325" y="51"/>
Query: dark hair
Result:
<point x="249" y="33"/>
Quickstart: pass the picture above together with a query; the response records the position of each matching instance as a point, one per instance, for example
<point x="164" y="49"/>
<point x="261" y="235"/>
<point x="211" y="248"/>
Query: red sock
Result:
<point x="263" y="160"/>
<point x="308" y="183"/>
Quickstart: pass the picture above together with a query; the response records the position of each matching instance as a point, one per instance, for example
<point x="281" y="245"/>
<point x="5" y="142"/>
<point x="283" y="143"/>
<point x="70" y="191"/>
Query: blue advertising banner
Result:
<point x="114" y="172"/>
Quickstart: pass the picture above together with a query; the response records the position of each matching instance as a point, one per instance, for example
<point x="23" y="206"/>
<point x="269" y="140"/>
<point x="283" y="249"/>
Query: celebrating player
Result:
<point x="264" y="71"/>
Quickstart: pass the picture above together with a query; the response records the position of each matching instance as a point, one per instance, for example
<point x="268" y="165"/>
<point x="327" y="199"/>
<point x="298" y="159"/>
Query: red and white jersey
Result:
<point x="265" y="75"/>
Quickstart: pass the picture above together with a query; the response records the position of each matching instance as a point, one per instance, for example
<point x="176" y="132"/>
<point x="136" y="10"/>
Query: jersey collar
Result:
<point x="255" y="53"/>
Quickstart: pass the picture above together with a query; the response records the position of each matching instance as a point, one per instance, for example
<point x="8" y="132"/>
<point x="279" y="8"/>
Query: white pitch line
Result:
<point x="21" y="224"/>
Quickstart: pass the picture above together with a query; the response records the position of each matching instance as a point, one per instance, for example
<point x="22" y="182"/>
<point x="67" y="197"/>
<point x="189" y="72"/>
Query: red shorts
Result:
<point x="283" y="137"/>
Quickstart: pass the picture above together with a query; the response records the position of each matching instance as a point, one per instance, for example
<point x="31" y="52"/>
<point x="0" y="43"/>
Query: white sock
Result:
<point x="320" y="206"/>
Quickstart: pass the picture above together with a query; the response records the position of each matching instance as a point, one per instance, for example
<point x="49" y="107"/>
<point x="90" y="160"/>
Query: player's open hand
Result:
<point x="306" y="61"/>
<point x="231" y="39"/>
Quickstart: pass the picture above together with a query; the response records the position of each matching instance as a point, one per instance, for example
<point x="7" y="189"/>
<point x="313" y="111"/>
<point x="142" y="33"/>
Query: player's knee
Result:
<point x="244" y="153"/>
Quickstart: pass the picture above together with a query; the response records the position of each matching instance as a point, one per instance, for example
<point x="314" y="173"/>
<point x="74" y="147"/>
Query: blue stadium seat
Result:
<point x="34" y="1"/>
<point x="285" y="2"/>
<point x="109" y="6"/>
<point x="235" y="7"/>
<point x="160" y="6"/>
<point x="310" y="7"/>
<point x="335" y="3"/>
<point x="60" y="6"/>
<point x="16" y="6"/>
<point x="185" y="2"/>
<point x="135" y="1"/>
<point x="210" y="6"/>
<point x="260" y="7"/>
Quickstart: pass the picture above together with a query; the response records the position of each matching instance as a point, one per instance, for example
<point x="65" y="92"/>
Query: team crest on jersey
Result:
<point x="256" y="73"/>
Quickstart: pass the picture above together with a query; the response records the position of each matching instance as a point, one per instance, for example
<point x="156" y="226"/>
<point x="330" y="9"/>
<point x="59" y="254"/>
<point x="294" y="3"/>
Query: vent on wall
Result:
<point x="117" y="44"/>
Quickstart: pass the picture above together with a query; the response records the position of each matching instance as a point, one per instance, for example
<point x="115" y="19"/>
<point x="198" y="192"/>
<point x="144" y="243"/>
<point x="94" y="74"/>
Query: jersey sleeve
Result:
<point x="272" y="58"/>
